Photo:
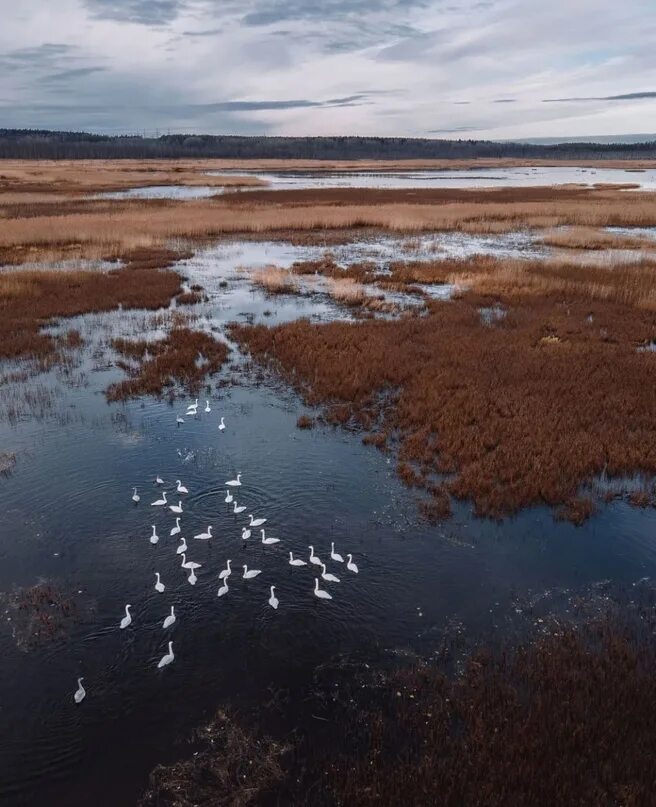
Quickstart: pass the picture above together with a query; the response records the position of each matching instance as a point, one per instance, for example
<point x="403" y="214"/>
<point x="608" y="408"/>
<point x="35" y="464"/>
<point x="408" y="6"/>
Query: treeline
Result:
<point x="42" y="144"/>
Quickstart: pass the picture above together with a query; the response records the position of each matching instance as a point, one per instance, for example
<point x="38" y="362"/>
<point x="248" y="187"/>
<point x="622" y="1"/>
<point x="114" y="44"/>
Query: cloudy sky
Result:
<point x="436" y="68"/>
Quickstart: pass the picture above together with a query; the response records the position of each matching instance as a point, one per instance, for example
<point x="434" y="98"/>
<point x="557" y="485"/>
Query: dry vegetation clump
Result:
<point x="577" y="510"/>
<point x="274" y="280"/>
<point x="190" y="298"/>
<point x="39" y="613"/>
<point x="233" y="767"/>
<point x="564" y="720"/>
<point x="7" y="462"/>
<point x="29" y="299"/>
<point x="305" y="422"/>
<point x="591" y="238"/>
<point x="184" y="356"/>
<point x="516" y="421"/>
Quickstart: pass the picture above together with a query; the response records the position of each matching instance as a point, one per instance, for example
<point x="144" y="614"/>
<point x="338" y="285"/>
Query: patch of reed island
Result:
<point x="523" y="390"/>
<point x="564" y="716"/>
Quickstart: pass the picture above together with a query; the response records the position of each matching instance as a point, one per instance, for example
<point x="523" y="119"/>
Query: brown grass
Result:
<point x="590" y="238"/>
<point x="30" y="299"/>
<point x="516" y="419"/>
<point x="305" y="422"/>
<point x="276" y="281"/>
<point x="184" y="356"/>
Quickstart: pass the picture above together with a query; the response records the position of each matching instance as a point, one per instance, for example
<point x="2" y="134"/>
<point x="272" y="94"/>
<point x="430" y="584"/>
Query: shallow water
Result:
<point x="68" y="518"/>
<point x="468" y="178"/>
<point x="165" y="192"/>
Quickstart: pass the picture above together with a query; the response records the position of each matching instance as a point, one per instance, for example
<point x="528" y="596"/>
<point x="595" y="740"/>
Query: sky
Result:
<point x="484" y="69"/>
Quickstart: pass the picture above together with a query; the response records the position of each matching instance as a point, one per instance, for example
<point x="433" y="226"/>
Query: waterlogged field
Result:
<point x="454" y="390"/>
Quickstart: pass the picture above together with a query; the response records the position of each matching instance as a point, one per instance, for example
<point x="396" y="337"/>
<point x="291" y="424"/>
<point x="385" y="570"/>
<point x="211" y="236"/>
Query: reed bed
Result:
<point x="594" y="239"/>
<point x="274" y="280"/>
<point x="183" y="357"/>
<point x="519" y="413"/>
<point x="30" y="299"/>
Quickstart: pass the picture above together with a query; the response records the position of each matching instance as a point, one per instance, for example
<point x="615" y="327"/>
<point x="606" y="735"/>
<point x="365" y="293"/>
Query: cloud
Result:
<point x="210" y="32"/>
<point x="628" y="96"/>
<point x="74" y="73"/>
<point x="145" y="12"/>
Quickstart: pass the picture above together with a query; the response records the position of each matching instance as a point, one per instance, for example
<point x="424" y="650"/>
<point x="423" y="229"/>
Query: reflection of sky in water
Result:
<point x="67" y="516"/>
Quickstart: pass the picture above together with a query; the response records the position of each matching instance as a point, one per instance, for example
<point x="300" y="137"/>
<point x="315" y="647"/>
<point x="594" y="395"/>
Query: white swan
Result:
<point x="189" y="564"/>
<point x="154" y="538"/>
<point x="273" y="600"/>
<point x="204" y="536"/>
<point x="127" y="618"/>
<point x="207" y="407"/>
<point x="192" y="577"/>
<point x="296" y="561"/>
<point x="179" y="419"/>
<point x="80" y="692"/>
<point x="181" y="488"/>
<point x="136" y="498"/>
<point x="159" y="586"/>
<point x="170" y="619"/>
<point x="245" y="534"/>
<point x="223" y="590"/>
<point x="225" y="574"/>
<point x="249" y="574"/>
<point x="159" y="480"/>
<point x="269" y="541"/>
<point x="167" y="658"/>
<point x="256" y="522"/>
<point x="182" y="548"/>
<point x="331" y="578"/>
<point x="238" y="509"/>
<point x="335" y="555"/>
<point x="314" y="558"/>
<point x="234" y="483"/>
<point x="193" y="408"/>
<point x="176" y="529"/>
<point x="229" y="497"/>
<point x="176" y="508"/>
<point x="160" y="502"/>
<point x="319" y="592"/>
<point x="221" y="425"/>
<point x="350" y="565"/>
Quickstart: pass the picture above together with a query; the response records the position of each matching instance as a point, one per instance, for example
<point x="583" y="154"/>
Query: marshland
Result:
<point x="446" y="370"/>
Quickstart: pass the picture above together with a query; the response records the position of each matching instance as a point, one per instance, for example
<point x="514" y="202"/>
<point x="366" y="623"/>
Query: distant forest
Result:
<point x="43" y="144"/>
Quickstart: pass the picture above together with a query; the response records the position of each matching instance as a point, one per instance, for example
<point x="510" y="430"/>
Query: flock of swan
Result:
<point x="231" y="486"/>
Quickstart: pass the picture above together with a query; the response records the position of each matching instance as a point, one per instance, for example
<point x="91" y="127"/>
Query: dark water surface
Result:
<point x="68" y="518"/>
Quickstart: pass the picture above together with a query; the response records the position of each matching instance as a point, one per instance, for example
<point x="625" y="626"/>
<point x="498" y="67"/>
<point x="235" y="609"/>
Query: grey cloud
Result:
<point x="629" y="96"/>
<point x="146" y="12"/>
<point x="256" y="106"/>
<point x="210" y="32"/>
<point x="77" y="72"/>
<point x="504" y="101"/>
<point x="276" y="11"/>
<point x="46" y="55"/>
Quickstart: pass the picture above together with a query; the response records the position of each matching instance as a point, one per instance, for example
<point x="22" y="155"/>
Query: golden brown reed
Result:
<point x="591" y="238"/>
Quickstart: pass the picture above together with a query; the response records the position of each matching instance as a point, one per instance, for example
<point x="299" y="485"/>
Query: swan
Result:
<point x="179" y="419"/>
<point x="204" y="536"/>
<point x="127" y="618"/>
<point x="189" y="564"/>
<point x="193" y="408"/>
<point x="181" y="488"/>
<point x="176" y="529"/>
<point x="160" y="502"/>
<point x="136" y="498"/>
<point x="245" y="534"/>
<point x="176" y="508"/>
<point x="159" y="480"/>
<point x="314" y="558"/>
<point x="225" y="574"/>
<point x="249" y="574"/>
<point x="154" y="538"/>
<point x="296" y="561"/>
<point x="256" y="522"/>
<point x="182" y="548"/>
<point x="234" y="483"/>
<point x="167" y="658"/>
<point x="273" y="600"/>
<point x="170" y="619"/>
<point x="229" y="497"/>
<point x="335" y="555"/>
<point x="350" y="565"/>
<point x="269" y="541"/>
<point x="223" y="590"/>
<point x="192" y="577"/>
<point x="319" y="592"/>
<point x="207" y="407"/>
<point x="221" y="425"/>
<point x="159" y="586"/>
<point x="239" y="509"/>
<point x="331" y="578"/>
<point x="80" y="692"/>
